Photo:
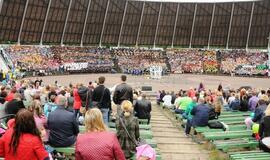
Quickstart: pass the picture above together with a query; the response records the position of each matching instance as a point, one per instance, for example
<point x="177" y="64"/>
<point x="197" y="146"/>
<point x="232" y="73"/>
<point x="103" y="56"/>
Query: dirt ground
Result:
<point x="173" y="82"/>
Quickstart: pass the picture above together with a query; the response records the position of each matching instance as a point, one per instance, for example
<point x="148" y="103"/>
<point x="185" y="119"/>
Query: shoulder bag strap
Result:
<point x="124" y="126"/>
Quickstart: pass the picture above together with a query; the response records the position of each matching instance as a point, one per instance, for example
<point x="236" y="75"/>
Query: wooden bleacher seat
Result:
<point x="236" y="144"/>
<point x="250" y="155"/>
<point x="227" y="135"/>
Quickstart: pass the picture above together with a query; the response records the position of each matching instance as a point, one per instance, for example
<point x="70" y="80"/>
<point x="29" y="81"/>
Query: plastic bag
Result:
<point x="145" y="152"/>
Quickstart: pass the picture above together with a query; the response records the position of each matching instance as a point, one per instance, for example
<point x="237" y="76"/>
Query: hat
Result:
<point x="264" y="98"/>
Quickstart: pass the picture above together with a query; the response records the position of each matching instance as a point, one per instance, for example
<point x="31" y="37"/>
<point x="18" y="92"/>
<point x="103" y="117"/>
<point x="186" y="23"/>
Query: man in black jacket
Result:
<point x="122" y="92"/>
<point x="102" y="99"/>
<point x="143" y="108"/>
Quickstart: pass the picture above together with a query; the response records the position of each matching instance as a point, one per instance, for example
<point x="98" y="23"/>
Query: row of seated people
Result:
<point x="56" y="57"/>
<point x="210" y="61"/>
<point x="198" y="107"/>
<point x="179" y="60"/>
<point x="231" y="59"/>
<point x="130" y="59"/>
<point x="54" y="113"/>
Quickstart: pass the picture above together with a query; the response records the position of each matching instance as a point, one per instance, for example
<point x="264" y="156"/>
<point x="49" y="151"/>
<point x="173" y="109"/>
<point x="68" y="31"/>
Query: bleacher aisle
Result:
<point x="172" y="143"/>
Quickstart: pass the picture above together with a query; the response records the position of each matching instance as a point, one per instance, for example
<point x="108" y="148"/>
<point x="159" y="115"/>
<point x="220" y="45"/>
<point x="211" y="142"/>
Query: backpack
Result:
<point x="215" y="125"/>
<point x="212" y="113"/>
<point x="82" y="91"/>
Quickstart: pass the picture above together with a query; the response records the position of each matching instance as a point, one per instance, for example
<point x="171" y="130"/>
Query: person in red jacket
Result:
<point x="22" y="140"/>
<point x="97" y="143"/>
<point x="77" y="101"/>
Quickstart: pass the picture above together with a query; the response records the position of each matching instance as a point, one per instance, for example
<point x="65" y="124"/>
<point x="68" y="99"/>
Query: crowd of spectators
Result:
<point x="185" y="60"/>
<point x="137" y="61"/>
<point x="49" y="116"/>
<point x="199" y="105"/>
<point x="56" y="58"/>
<point x="211" y="61"/>
<point x="31" y="57"/>
<point x="231" y="59"/>
<point x="83" y="59"/>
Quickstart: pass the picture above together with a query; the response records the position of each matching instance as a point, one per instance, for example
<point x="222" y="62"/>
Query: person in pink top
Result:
<point x="97" y="142"/>
<point x="40" y="119"/>
<point x="77" y="101"/>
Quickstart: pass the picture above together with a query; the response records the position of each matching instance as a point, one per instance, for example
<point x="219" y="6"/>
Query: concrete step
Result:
<point x="171" y="135"/>
<point x="184" y="156"/>
<point x="172" y="142"/>
<point x="182" y="147"/>
<point x="162" y="125"/>
<point x="172" y="130"/>
<point x="169" y="140"/>
<point x="160" y="122"/>
<point x="187" y="151"/>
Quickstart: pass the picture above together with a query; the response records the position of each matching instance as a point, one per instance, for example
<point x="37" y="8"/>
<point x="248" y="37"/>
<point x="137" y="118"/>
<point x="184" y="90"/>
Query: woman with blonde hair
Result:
<point x="127" y="127"/>
<point x="40" y="119"/>
<point x="97" y="142"/>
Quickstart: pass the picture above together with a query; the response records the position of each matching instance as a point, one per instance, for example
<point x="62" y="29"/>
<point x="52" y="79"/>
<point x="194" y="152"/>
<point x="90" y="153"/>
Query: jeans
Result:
<point x="188" y="126"/>
<point x="179" y="111"/>
<point x="105" y="114"/>
<point x="76" y="113"/>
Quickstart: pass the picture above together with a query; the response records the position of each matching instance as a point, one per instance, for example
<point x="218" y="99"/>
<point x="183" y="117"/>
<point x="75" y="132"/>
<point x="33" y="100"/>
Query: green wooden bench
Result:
<point x="142" y="126"/>
<point x="231" y="119"/>
<point x="233" y="113"/>
<point x="250" y="155"/>
<point x="66" y="150"/>
<point x="71" y="150"/>
<point x="145" y="134"/>
<point x="244" y="114"/>
<point x="227" y="135"/>
<point x="231" y="128"/>
<point x="236" y="144"/>
<point x="143" y="121"/>
<point x="231" y="122"/>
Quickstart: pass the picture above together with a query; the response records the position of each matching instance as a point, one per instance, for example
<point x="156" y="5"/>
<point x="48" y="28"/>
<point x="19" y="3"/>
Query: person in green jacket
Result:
<point x="191" y="105"/>
<point x="183" y="103"/>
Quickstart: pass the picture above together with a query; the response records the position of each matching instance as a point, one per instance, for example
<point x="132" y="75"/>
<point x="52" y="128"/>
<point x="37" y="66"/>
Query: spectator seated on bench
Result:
<point x="22" y="140"/>
<point x="183" y="104"/>
<point x="191" y="105"/>
<point x="97" y="142"/>
<point x="63" y="125"/>
<point x="200" y="116"/>
<point x="167" y="101"/>
<point x="264" y="129"/>
<point x="235" y="104"/>
<point x="259" y="112"/>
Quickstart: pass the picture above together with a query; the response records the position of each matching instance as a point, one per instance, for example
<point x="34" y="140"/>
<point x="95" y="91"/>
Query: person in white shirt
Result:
<point x="167" y="101"/>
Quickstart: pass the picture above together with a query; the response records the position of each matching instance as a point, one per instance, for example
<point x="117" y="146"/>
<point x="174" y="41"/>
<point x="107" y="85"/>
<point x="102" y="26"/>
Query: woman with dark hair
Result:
<point x="22" y="140"/>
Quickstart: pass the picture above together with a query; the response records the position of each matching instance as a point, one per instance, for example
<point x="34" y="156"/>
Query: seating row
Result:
<point x="236" y="137"/>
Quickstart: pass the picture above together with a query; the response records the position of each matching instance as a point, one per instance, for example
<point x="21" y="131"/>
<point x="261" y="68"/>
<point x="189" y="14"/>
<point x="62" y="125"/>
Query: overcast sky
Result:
<point x="199" y="1"/>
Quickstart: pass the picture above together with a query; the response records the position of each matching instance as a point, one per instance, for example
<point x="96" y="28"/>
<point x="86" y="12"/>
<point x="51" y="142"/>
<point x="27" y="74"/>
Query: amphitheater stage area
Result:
<point x="173" y="82"/>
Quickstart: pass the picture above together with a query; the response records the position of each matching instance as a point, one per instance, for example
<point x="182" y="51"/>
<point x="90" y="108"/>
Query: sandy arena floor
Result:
<point x="172" y="82"/>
